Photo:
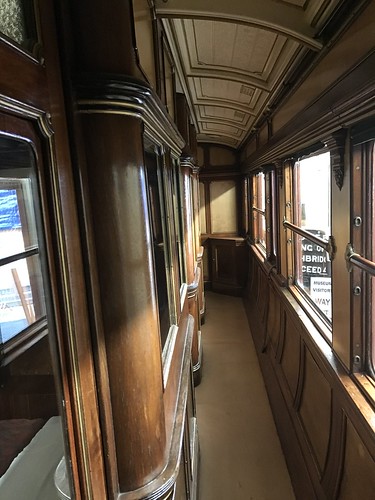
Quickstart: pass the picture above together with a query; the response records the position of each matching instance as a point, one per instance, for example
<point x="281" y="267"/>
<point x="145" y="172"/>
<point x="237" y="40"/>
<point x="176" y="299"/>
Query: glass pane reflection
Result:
<point x="32" y="449"/>
<point x="12" y="20"/>
<point x="21" y="296"/>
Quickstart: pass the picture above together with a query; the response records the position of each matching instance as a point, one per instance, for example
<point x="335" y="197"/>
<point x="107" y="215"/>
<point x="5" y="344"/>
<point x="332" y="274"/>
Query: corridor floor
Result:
<point x="241" y="457"/>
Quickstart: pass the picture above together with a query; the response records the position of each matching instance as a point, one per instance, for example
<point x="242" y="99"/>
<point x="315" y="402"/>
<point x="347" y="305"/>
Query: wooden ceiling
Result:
<point x="233" y="57"/>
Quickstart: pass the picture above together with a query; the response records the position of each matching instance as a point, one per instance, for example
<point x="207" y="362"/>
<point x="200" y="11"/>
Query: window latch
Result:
<point x="331" y="248"/>
<point x="349" y="252"/>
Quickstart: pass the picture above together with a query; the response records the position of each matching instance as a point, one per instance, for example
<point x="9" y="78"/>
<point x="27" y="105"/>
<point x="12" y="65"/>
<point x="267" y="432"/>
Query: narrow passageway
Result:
<point x="241" y="457"/>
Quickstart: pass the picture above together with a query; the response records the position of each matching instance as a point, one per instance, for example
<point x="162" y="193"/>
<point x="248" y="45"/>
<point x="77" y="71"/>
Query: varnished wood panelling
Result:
<point x="33" y="77"/>
<point x="291" y="355"/>
<point x="105" y="31"/>
<point x="273" y="321"/>
<point x="315" y="409"/>
<point x="332" y="471"/>
<point x="310" y="394"/>
<point x="358" y="477"/>
<point x="252" y="280"/>
<point x="262" y="298"/>
<point x="116" y="191"/>
<point x="277" y="382"/>
<point x="229" y="263"/>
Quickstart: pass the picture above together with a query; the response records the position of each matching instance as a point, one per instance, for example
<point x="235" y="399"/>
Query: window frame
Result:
<point x="293" y="232"/>
<point x="360" y="255"/>
<point x="268" y="210"/>
<point x="257" y="210"/>
<point x="37" y="329"/>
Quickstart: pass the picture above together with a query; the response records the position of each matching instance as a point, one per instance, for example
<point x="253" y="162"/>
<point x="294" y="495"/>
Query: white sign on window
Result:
<point x="320" y="292"/>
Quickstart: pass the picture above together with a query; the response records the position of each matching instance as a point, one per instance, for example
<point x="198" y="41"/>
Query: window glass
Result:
<point x="21" y="303"/>
<point x="12" y="21"/>
<point x="259" y="209"/>
<point x="18" y="23"/>
<point x="30" y="396"/>
<point x="202" y="208"/>
<point x="160" y="246"/>
<point x="177" y="205"/>
<point x="313" y="214"/>
<point x="21" y="288"/>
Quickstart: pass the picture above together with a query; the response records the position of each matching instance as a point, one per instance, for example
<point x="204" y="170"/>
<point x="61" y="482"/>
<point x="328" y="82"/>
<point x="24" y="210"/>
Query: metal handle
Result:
<point x="354" y="259"/>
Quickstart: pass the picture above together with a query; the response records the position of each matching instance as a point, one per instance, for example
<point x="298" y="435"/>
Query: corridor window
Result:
<point x="258" y="210"/>
<point x="21" y="289"/>
<point x="159" y="242"/>
<point x="312" y="230"/>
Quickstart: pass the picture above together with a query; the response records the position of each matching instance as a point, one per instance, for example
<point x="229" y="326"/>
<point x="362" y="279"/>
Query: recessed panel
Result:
<point x="221" y="156"/>
<point x="202" y="208"/>
<point x="211" y="88"/>
<point x="225" y="114"/>
<point x="358" y="478"/>
<point x="315" y="409"/>
<point x="223" y="207"/>
<point x="291" y="355"/>
<point x="219" y="127"/>
<point x="235" y="46"/>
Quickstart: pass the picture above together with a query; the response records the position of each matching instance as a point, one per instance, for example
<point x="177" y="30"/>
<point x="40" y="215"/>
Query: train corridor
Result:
<point x="240" y="453"/>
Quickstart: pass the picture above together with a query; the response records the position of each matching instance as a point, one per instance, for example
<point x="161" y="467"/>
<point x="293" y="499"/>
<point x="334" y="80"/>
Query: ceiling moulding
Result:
<point x="217" y="139"/>
<point x="224" y="115"/>
<point x="301" y="30"/>
<point x="209" y="91"/>
<point x="279" y="17"/>
<point x="176" y="55"/>
<point x="209" y="124"/>
<point x="336" y="108"/>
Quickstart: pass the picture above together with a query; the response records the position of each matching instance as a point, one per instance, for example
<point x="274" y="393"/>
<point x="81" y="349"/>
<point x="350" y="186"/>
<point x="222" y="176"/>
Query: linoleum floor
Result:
<point x="240" y="453"/>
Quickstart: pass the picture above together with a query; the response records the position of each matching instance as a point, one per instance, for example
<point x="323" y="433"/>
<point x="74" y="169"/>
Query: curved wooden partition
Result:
<point x="126" y="147"/>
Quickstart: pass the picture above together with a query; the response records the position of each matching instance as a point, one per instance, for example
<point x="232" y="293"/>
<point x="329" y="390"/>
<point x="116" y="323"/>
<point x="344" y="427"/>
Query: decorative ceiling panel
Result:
<point x="233" y="59"/>
<point x="224" y="129"/>
<point x="235" y="48"/>
<point x="224" y="114"/>
<point x="216" y="138"/>
<point x="298" y="3"/>
<point x="213" y="89"/>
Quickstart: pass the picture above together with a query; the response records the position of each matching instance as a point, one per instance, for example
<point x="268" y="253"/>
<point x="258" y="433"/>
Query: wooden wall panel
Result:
<point x="223" y="201"/>
<point x="273" y="321"/>
<point x="290" y="355"/>
<point x="262" y="297"/>
<point x="315" y="409"/>
<point x="358" y="475"/>
<point x="311" y="397"/>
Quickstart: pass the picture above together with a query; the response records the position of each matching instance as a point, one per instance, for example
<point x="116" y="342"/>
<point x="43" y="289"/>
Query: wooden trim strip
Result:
<point x="114" y="95"/>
